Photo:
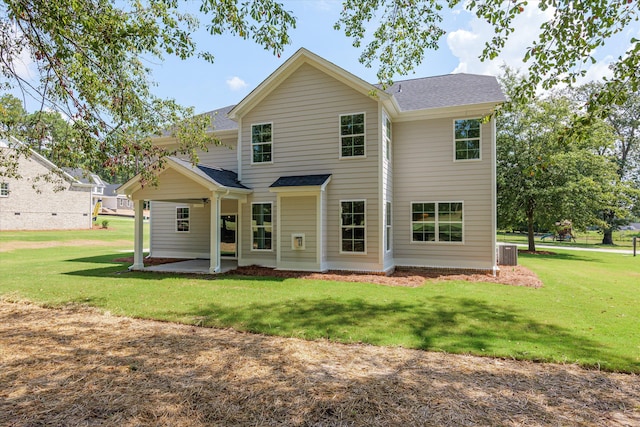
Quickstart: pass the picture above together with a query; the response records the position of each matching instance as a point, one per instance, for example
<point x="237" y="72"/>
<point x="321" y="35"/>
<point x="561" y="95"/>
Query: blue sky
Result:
<point x="241" y="65"/>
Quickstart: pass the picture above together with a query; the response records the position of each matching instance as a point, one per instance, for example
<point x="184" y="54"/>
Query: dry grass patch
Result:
<point x="74" y="366"/>
<point x="13" y="245"/>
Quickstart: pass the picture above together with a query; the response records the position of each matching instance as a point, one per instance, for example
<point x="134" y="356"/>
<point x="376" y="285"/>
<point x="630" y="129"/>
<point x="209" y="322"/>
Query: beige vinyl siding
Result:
<point x="305" y="111"/>
<point x="224" y="156"/>
<point x="425" y="171"/>
<point x="172" y="185"/>
<point x="166" y="242"/>
<point x="298" y="215"/>
<point x="48" y="206"/>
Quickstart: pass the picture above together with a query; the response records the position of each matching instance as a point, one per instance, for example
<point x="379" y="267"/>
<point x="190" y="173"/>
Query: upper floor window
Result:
<point x="352" y="222"/>
<point x="182" y="219"/>
<point x="467" y="139"/>
<point x="261" y="143"/>
<point x="352" y="135"/>
<point x="261" y="226"/>
<point x="436" y="222"/>
<point x="4" y="189"/>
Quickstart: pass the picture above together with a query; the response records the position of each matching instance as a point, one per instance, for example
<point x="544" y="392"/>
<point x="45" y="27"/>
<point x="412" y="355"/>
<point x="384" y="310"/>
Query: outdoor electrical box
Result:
<point x="297" y="242"/>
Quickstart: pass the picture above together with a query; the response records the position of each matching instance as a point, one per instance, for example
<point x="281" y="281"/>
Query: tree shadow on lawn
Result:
<point x="69" y="368"/>
<point x="577" y="256"/>
<point x="439" y="323"/>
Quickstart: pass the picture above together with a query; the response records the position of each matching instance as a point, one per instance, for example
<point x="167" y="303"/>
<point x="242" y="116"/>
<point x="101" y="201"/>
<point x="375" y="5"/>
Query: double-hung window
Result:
<point x="182" y="219"/>
<point x="261" y="143"/>
<point x="4" y="189"/>
<point x="352" y="226"/>
<point x="437" y="222"/>
<point x="352" y="135"/>
<point x="387" y="137"/>
<point x="261" y="226"/>
<point x="388" y="226"/>
<point x="467" y="139"/>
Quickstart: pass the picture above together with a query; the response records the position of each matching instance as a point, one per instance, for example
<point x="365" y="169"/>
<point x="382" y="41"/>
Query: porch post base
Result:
<point x="135" y="267"/>
<point x="214" y="270"/>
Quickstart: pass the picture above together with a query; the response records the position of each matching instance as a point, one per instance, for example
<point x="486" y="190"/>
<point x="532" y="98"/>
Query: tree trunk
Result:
<point x="607" y="232"/>
<point x="530" y="233"/>
<point x="607" y="237"/>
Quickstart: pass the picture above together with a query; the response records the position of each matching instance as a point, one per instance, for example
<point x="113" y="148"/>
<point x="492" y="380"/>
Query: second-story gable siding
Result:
<point x="305" y="111"/>
<point x="224" y="156"/>
<point x="425" y="171"/>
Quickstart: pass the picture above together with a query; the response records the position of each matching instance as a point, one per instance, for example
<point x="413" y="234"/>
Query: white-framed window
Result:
<point x="352" y="135"/>
<point x="182" y="219"/>
<point x="262" y="226"/>
<point x="388" y="226"/>
<point x="352" y="226"/>
<point x="437" y="222"/>
<point x="386" y="135"/>
<point x="262" y="143"/>
<point x="466" y="139"/>
<point x="4" y="189"/>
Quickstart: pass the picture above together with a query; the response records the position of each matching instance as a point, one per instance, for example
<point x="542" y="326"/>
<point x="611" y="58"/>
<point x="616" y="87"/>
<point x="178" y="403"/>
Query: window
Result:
<point x="261" y="143"/>
<point x="4" y="189"/>
<point x="352" y="135"/>
<point x="352" y="220"/>
<point x="467" y="139"/>
<point x="436" y="222"/>
<point x="261" y="226"/>
<point x="387" y="137"/>
<point x="388" y="227"/>
<point x="182" y="220"/>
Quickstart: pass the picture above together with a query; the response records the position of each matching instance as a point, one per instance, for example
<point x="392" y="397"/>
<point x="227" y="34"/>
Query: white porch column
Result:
<point x="214" y="235"/>
<point x="138" y="238"/>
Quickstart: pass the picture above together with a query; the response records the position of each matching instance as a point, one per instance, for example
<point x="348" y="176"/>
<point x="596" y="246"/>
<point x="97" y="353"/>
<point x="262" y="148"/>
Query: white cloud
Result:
<point x="236" y="83"/>
<point x="467" y="45"/>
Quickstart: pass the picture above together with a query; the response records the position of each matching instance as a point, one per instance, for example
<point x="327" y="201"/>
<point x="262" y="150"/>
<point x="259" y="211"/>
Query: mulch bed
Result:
<point x="74" y="366"/>
<point x="509" y="275"/>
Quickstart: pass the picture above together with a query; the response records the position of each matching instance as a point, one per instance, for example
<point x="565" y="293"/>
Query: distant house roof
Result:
<point x="85" y="177"/>
<point x="451" y="90"/>
<point x="111" y="189"/>
<point x="301" y="181"/>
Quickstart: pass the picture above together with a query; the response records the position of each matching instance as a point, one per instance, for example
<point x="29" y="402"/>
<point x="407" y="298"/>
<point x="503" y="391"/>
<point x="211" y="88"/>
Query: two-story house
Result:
<point x="319" y="170"/>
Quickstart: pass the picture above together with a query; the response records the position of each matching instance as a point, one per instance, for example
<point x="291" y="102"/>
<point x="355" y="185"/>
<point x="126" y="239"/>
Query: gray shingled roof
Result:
<point x="111" y="189"/>
<point x="450" y="90"/>
<point x="81" y="175"/>
<point x="225" y="178"/>
<point x="219" y="176"/>
<point x="301" y="180"/>
<point x="219" y="120"/>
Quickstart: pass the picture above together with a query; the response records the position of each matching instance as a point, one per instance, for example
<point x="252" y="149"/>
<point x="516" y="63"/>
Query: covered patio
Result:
<point x="189" y="185"/>
<point x="193" y="266"/>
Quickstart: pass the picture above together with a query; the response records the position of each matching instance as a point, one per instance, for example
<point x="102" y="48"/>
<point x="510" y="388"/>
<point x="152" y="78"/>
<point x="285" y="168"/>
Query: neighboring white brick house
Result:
<point x="43" y="198"/>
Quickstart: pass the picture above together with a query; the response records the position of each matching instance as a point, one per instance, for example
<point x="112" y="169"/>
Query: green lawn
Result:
<point x="588" y="312"/>
<point x="587" y="239"/>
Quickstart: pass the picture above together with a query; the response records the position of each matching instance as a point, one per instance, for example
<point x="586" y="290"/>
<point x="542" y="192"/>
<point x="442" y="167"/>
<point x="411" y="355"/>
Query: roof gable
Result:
<point x="302" y="56"/>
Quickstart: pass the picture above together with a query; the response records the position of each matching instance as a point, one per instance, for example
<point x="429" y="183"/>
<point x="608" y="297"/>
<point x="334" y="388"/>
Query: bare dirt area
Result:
<point x="74" y="366"/>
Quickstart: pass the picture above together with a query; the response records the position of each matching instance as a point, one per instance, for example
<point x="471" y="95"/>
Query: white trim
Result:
<point x="176" y="219"/>
<point x="494" y="197"/>
<point x="364" y="135"/>
<point x="436" y="223"/>
<point x="239" y="150"/>
<point x="479" y="119"/>
<point x="366" y="224"/>
<point x="388" y="228"/>
<point x="272" y="226"/>
<point x="261" y="143"/>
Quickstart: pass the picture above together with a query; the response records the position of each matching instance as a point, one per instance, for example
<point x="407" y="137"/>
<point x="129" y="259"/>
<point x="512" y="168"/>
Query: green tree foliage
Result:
<point x="543" y="175"/>
<point x="12" y="114"/>
<point x="90" y="58"/>
<point x="624" y="153"/>
<point x="402" y="30"/>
